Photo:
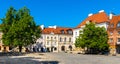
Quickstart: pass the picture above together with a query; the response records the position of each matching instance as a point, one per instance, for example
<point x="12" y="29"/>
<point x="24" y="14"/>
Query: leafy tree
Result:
<point x="92" y="37"/>
<point x="19" y="28"/>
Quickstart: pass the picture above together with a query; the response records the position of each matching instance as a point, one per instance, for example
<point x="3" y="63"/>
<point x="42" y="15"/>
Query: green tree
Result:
<point x="93" y="38"/>
<point x="19" y="28"/>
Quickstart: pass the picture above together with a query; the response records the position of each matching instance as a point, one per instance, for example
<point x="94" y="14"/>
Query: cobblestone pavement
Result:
<point x="32" y="58"/>
<point x="68" y="58"/>
<point x="59" y="58"/>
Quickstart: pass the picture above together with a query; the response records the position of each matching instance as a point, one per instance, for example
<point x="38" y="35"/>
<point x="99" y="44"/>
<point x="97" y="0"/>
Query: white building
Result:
<point x="100" y="19"/>
<point x="56" y="39"/>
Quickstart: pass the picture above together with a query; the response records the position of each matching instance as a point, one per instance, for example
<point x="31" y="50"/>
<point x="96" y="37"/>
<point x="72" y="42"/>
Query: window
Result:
<point x="60" y="39"/>
<point x="54" y="37"/>
<point x="119" y="32"/>
<point x="69" y="39"/>
<point x="55" y="43"/>
<point x="51" y="37"/>
<point x="62" y="31"/>
<point x="47" y="37"/>
<point x="111" y="33"/>
<point x="118" y="25"/>
<point x="111" y="25"/>
<point x="69" y="31"/>
<point x="47" y="43"/>
<point x="65" y="39"/>
<point x="75" y="33"/>
<point x="41" y="37"/>
<point x="118" y="39"/>
<point x="111" y="39"/>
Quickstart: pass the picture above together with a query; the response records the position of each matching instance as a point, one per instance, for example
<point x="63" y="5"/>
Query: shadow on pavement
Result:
<point x="12" y="53"/>
<point x="16" y="53"/>
<point x="24" y="60"/>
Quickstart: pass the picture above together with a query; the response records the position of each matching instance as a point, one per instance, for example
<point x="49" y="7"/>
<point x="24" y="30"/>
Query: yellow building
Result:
<point x="3" y="48"/>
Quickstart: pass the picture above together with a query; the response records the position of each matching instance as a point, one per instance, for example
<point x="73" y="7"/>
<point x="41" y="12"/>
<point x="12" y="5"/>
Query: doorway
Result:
<point x="52" y="48"/>
<point x="118" y="49"/>
<point x="62" y="48"/>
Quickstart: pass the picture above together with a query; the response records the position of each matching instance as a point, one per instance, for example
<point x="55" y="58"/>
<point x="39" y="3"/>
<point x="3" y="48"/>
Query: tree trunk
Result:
<point x="20" y="48"/>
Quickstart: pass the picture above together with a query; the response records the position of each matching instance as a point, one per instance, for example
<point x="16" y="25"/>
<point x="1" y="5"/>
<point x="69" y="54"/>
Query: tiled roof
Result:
<point x="114" y="21"/>
<point x="97" y="18"/>
<point x="56" y="30"/>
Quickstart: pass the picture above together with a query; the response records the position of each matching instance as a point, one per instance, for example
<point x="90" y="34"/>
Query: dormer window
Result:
<point x="118" y="25"/>
<point x="62" y="31"/>
<point x="69" y="31"/>
<point x="111" y="25"/>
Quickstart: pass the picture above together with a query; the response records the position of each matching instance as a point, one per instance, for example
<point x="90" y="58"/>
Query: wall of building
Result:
<point x="51" y="40"/>
<point x="2" y="47"/>
<point x="76" y="31"/>
<point x="65" y="42"/>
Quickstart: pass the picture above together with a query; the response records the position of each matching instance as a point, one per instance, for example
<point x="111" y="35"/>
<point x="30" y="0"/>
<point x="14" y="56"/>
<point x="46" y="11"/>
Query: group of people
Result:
<point x="37" y="47"/>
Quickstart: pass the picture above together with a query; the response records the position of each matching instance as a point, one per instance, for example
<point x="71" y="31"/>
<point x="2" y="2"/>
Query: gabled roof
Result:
<point x="57" y="30"/>
<point x="97" y="18"/>
<point x="114" y="21"/>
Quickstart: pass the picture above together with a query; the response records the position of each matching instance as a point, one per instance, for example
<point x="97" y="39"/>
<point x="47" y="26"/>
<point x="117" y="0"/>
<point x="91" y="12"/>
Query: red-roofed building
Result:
<point x="114" y="34"/>
<point x="100" y="19"/>
<point x="56" y="39"/>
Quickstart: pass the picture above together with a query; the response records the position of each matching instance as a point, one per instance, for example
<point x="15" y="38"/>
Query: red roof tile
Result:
<point x="97" y="18"/>
<point x="114" y="21"/>
<point x="55" y="31"/>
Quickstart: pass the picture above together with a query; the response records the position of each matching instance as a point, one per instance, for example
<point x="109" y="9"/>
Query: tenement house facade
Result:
<point x="57" y="39"/>
<point x="114" y="34"/>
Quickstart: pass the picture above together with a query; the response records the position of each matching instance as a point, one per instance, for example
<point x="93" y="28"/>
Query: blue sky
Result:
<point x="66" y="13"/>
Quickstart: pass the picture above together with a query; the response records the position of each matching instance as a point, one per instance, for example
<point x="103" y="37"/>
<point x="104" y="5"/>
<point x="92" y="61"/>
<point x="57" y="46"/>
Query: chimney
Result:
<point x="110" y="16"/>
<point x="42" y="27"/>
<point x="53" y="26"/>
<point x="101" y="11"/>
<point x="90" y="14"/>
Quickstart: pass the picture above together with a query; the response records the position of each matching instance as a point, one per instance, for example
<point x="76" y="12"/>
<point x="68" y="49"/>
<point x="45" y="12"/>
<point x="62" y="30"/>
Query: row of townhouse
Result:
<point x="58" y="39"/>
<point x="61" y="39"/>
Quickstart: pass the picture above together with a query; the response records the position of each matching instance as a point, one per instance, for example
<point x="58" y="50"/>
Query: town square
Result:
<point x="59" y="32"/>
